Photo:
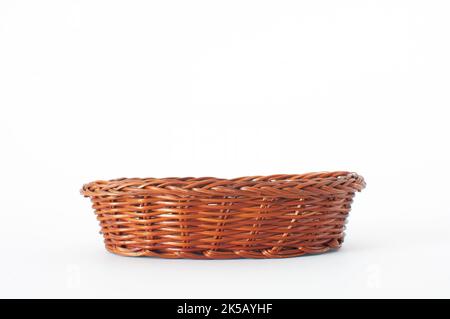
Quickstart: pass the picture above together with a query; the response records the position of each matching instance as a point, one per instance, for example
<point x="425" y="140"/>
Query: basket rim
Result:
<point x="279" y="185"/>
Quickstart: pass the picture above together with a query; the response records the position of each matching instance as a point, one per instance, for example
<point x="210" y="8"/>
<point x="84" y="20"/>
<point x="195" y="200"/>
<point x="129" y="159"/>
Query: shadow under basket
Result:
<point x="211" y="218"/>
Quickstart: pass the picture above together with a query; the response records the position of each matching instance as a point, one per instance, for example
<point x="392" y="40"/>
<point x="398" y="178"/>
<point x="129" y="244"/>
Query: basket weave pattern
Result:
<point x="211" y="218"/>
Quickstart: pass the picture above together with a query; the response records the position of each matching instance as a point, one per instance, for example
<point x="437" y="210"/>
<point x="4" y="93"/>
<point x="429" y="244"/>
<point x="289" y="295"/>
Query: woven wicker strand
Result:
<point x="210" y="218"/>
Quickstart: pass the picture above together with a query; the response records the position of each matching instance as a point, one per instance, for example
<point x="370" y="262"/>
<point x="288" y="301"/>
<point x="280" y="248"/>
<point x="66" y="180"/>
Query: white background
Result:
<point x="104" y="89"/>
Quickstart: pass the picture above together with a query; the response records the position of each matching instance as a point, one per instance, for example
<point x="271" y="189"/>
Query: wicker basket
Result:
<point x="211" y="218"/>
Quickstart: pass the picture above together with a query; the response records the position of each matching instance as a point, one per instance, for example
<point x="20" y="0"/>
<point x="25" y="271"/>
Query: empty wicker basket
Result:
<point x="211" y="218"/>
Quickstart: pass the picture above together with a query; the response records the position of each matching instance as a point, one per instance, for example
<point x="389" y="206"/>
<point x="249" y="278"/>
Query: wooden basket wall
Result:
<point x="211" y="218"/>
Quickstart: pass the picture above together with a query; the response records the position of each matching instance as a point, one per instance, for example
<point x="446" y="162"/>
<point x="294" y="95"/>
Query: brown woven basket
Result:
<point x="211" y="218"/>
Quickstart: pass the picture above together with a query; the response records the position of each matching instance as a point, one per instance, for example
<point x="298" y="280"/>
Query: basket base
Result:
<point x="215" y="254"/>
